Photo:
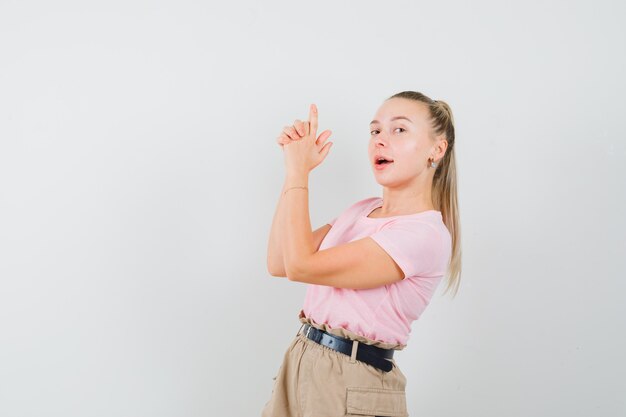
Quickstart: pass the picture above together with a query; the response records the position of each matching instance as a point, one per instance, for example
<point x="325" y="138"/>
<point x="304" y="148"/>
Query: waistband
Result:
<point x="371" y="355"/>
<point x="345" y="333"/>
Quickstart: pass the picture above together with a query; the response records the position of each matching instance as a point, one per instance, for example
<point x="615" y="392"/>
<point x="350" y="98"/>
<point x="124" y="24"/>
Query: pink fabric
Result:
<point x="419" y="243"/>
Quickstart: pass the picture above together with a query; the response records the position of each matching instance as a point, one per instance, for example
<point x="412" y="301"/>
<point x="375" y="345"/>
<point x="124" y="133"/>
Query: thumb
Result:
<point x="326" y="149"/>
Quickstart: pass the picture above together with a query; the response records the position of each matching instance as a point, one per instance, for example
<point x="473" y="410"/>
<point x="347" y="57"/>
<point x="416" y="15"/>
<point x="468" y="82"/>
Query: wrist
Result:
<point x="296" y="178"/>
<point x="299" y="183"/>
<point x="296" y="187"/>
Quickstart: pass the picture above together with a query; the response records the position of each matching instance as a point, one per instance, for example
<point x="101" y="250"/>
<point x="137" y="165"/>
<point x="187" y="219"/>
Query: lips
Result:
<point x="382" y="159"/>
<point x="382" y="165"/>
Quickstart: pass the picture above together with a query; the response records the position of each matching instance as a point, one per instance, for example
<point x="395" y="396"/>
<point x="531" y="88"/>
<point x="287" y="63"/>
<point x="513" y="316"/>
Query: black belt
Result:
<point x="372" y="355"/>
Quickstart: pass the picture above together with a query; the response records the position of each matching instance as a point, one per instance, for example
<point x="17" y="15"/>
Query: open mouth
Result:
<point x="381" y="161"/>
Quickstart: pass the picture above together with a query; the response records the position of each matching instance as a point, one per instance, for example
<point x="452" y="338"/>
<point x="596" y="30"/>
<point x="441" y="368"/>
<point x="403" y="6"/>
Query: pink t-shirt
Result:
<point x="419" y="243"/>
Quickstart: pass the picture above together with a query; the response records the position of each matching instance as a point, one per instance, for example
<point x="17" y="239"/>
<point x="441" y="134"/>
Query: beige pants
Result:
<point x="317" y="381"/>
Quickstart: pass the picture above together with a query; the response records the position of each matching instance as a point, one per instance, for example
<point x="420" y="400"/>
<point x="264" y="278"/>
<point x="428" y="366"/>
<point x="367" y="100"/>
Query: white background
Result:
<point x="139" y="174"/>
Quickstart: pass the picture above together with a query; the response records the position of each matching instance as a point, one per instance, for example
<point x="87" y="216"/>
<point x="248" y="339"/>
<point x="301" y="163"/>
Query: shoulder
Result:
<point x="425" y="227"/>
<point x="418" y="245"/>
<point x="424" y="234"/>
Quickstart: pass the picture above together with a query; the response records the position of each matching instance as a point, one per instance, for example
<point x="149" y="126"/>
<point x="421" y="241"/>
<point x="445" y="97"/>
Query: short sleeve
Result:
<point x="415" y="246"/>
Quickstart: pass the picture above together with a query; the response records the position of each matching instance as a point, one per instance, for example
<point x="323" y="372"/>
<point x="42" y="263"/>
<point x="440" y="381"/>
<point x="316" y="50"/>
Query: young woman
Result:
<point x="372" y="270"/>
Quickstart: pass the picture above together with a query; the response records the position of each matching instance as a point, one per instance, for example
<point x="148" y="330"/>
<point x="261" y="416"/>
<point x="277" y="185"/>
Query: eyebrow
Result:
<point x="392" y="119"/>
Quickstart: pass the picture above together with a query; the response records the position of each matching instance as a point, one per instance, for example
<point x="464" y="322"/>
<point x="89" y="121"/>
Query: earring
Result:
<point x="433" y="164"/>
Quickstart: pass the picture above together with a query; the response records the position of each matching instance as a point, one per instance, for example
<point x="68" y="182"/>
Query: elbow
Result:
<point x="275" y="269"/>
<point x="290" y="273"/>
<point x="300" y="269"/>
<point x="277" y="272"/>
<point x="274" y="266"/>
<point x="295" y="273"/>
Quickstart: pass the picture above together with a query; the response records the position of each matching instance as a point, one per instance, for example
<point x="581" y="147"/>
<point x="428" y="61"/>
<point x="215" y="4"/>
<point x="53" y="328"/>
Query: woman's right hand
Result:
<point x="291" y="133"/>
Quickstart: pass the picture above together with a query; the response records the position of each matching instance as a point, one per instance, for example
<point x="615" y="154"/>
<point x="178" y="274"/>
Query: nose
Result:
<point x="380" y="141"/>
<point x="378" y="145"/>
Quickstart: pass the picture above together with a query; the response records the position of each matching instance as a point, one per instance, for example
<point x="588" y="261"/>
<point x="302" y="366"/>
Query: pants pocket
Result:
<point x="375" y="402"/>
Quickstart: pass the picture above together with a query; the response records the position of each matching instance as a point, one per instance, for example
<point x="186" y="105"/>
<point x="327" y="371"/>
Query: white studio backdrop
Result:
<point x="139" y="173"/>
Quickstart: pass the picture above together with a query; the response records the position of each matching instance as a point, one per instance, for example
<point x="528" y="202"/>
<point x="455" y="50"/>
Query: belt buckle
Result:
<point x="307" y="331"/>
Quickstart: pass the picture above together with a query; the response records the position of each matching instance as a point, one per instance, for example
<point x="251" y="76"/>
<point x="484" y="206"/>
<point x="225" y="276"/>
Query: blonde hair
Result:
<point x="444" y="187"/>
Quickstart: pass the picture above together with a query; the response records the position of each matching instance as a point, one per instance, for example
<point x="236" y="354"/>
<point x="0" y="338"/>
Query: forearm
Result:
<point x="298" y="237"/>
<point x="275" y="259"/>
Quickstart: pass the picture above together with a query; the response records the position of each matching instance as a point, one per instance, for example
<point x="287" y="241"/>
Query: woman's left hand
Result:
<point x="304" y="154"/>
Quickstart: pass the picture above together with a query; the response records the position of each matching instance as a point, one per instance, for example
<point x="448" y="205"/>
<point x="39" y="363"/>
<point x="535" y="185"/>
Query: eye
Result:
<point x="403" y="129"/>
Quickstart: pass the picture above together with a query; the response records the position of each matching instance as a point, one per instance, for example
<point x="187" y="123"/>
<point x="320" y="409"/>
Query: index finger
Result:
<point x="313" y="120"/>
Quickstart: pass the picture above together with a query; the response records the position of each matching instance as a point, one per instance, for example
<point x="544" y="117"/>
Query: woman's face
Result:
<point x="406" y="142"/>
